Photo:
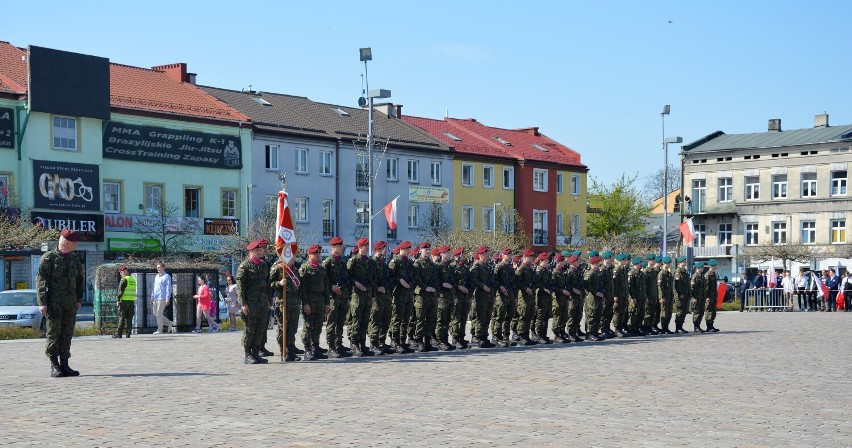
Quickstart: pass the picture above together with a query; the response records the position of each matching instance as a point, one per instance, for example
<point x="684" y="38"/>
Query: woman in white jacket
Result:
<point x="789" y="287"/>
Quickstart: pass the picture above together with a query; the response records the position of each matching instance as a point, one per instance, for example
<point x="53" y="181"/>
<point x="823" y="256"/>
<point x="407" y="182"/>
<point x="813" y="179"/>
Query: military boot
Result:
<point x="309" y="354"/>
<point x="294" y="350"/>
<point x="255" y="353"/>
<point x="356" y="351"/>
<point x="485" y="343"/>
<point x="63" y="364"/>
<point x="318" y="354"/>
<point x="651" y="330"/>
<point x="250" y="359"/>
<point x="366" y="351"/>
<point x="698" y="328"/>
<point x="682" y="330"/>
<point x="55" y="370"/>
<point x="262" y="351"/>
<point x="515" y="337"/>
<point x="378" y="349"/>
<point x="291" y="357"/>
<point x="445" y="345"/>
<point x="711" y="328"/>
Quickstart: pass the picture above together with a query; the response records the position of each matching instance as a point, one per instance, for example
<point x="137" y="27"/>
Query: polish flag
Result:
<point x="285" y="234"/>
<point x="720" y="294"/>
<point x="390" y="213"/>
<point x="823" y="290"/>
<point x="688" y="231"/>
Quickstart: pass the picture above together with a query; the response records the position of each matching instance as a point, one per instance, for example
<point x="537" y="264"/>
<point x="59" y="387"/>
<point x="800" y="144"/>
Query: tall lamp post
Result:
<point x="494" y="221"/>
<point x="666" y="188"/>
<point x="366" y="54"/>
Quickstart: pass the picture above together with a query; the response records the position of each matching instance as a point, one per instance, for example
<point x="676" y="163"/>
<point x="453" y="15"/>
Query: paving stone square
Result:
<point x="767" y="380"/>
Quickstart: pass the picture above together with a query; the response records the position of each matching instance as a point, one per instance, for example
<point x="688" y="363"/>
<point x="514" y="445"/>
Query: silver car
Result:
<point x="18" y="307"/>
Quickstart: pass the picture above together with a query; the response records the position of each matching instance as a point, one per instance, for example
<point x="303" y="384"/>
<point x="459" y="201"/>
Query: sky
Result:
<point x="592" y="75"/>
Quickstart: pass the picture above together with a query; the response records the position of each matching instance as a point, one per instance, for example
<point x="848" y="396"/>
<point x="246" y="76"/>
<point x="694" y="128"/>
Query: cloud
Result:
<point x="461" y="52"/>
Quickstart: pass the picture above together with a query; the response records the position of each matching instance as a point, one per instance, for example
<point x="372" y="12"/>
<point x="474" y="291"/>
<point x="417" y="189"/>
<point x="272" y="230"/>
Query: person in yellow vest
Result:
<point x="126" y="302"/>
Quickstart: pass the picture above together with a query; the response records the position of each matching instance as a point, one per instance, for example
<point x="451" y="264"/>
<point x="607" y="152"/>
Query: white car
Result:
<point x="18" y="307"/>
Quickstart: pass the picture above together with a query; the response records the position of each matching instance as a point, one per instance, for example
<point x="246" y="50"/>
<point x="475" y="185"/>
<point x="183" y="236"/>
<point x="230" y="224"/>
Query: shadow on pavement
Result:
<point x="165" y="374"/>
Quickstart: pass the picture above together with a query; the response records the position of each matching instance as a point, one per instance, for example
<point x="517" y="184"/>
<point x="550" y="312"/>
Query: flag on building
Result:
<point x="688" y="231"/>
<point x="390" y="213"/>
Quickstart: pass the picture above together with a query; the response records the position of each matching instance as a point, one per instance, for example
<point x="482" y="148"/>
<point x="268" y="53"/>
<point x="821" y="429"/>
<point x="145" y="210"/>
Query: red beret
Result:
<point x="395" y="250"/>
<point x="517" y="259"/>
<point x="560" y="258"/>
<point x="315" y="249"/>
<point x="70" y="235"/>
<point x="354" y="250"/>
<point x="529" y="253"/>
<point x="380" y="245"/>
<point x="445" y="248"/>
<point x="122" y="268"/>
<point x="496" y="256"/>
<point x="336" y="240"/>
<point x="257" y="243"/>
<point x="362" y="242"/>
<point x="405" y="245"/>
<point x="458" y="251"/>
<point x="481" y="250"/>
<point x="506" y="251"/>
<point x="573" y="259"/>
<point x="543" y="256"/>
<point x="425" y="245"/>
<point x="436" y="251"/>
<point x="595" y="259"/>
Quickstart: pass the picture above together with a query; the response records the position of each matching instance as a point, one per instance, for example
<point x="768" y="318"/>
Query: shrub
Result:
<point x="8" y="333"/>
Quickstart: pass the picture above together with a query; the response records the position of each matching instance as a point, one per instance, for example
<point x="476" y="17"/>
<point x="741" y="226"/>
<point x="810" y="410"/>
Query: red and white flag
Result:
<point x="688" y="231"/>
<point x="285" y="234"/>
<point x="390" y="213"/>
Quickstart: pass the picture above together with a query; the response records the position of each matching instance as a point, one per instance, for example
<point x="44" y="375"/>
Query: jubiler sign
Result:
<point x="162" y="145"/>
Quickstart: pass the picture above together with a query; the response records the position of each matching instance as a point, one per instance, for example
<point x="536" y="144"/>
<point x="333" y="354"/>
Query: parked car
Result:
<point x="19" y="307"/>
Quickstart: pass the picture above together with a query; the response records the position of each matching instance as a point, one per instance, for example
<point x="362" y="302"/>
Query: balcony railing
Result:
<point x="391" y="234"/>
<point x="710" y="251"/>
<point x="327" y="228"/>
<point x="362" y="181"/>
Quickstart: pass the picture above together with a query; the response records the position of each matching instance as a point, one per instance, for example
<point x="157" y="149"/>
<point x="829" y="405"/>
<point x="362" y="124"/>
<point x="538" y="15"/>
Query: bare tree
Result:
<point x="791" y="252"/>
<point x="438" y="224"/>
<point x="164" y="224"/>
<point x="16" y="231"/>
<point x="655" y="184"/>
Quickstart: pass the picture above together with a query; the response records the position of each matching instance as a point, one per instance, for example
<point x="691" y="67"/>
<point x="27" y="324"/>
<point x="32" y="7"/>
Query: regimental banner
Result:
<point x="90" y="226"/>
<point x="66" y="186"/>
<point x="7" y="128"/>
<point x="133" y="245"/>
<point x="172" y="146"/>
<point x="221" y="226"/>
<point x="433" y="195"/>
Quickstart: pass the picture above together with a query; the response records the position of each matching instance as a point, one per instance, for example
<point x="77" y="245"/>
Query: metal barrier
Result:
<point x="766" y="299"/>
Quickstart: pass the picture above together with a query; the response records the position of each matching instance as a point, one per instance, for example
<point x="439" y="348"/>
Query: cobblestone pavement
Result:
<point x="768" y="379"/>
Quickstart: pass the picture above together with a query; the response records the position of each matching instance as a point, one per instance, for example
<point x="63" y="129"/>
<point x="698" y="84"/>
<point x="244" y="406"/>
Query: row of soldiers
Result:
<point x="421" y="298"/>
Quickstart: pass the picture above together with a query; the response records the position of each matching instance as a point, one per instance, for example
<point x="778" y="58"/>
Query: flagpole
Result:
<point x="283" y="313"/>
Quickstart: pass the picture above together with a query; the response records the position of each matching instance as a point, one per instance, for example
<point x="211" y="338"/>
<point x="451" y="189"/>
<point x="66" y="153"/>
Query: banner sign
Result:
<point x="221" y="226"/>
<point x="172" y="146"/>
<point x="133" y="245"/>
<point x="7" y="128"/>
<point x="114" y="222"/>
<point x="90" y="226"/>
<point x="434" y="195"/>
<point x="66" y="186"/>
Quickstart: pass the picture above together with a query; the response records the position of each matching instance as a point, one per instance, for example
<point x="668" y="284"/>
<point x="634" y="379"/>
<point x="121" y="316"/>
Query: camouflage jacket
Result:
<point x="335" y="269"/>
<point x="525" y="278"/>
<point x="664" y="284"/>
<point x="681" y="282"/>
<point x="253" y="284"/>
<point x="636" y="284"/>
<point x="698" y="285"/>
<point x="360" y="269"/>
<point x="59" y="279"/>
<point x="276" y="273"/>
<point x="315" y="287"/>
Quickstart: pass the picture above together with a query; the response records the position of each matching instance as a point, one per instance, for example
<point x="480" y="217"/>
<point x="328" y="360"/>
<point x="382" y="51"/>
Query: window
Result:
<point x="327" y="221"/>
<point x="467" y="218"/>
<point x="393" y="169"/>
<point x="838" y="231"/>
<point x="575" y="225"/>
<point x="362" y="213"/>
<point x="362" y="172"/>
<point x="559" y="225"/>
<point x="508" y="178"/>
<point x="539" y="179"/>
<point x="270" y="203"/>
<point x="808" y="232"/>
<point x="559" y="183"/>
<point x="779" y="186"/>
<point x="508" y="220"/>
<point x="300" y="210"/>
<point x="726" y="189"/>
<point x="112" y="197"/>
<point x="467" y="175"/>
<point x="414" y="171"/>
<point x="6" y="191"/>
<point x="779" y="233"/>
<point x="751" y="234"/>
<point x="725" y="233"/>
<point x="413" y="216"/>
<point x="575" y="184"/>
<point x="301" y="160"/>
<point x="809" y="185"/>
<point x="752" y="188"/>
<point x="700" y="235"/>
<point x="435" y="173"/>
<point x="487" y="219"/>
<point x="487" y="177"/>
<point x="65" y="133"/>
<point x="272" y="157"/>
<point x="838" y="183"/>
<point x="540" y="227"/>
<point x="325" y="163"/>
<point x="391" y="233"/>
<point x="192" y="202"/>
<point x="229" y="203"/>
<point x="153" y="197"/>
<point x="699" y="196"/>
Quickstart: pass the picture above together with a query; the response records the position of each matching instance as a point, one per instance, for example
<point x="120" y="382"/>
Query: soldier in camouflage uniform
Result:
<point x="335" y="268"/>
<point x="483" y="298"/>
<point x="446" y="298"/>
<point x="525" y="281"/>
<point x="607" y="270"/>
<point x="593" y="284"/>
<point x="543" y="298"/>
<point x="504" y="275"/>
<point x="278" y="280"/>
<point x="712" y="280"/>
<point x="699" y="294"/>
<point x="60" y="288"/>
<point x="666" y="291"/>
<point x="380" y="312"/>
<point x="461" y="308"/>
<point x="636" y="292"/>
<point x="314" y="293"/>
<point x="682" y="294"/>
<point x="401" y="268"/>
<point x="512" y="311"/>
<point x="650" y="276"/>
<point x="425" y="298"/>
<point x="621" y="306"/>
<point x="253" y="290"/>
<point x="561" y="296"/>
<point x="655" y="317"/>
<point x="574" y="285"/>
<point x="361" y="272"/>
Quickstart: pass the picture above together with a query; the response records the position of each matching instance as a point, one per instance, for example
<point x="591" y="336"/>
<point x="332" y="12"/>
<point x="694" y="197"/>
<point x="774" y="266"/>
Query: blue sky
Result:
<point x="592" y="75"/>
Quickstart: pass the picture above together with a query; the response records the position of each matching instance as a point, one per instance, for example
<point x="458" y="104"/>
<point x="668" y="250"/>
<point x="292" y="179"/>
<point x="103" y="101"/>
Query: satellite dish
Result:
<point x="362" y="101"/>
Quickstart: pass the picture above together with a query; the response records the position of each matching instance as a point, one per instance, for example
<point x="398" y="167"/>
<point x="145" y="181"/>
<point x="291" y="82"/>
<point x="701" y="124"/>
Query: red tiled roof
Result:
<point x="13" y="68"/>
<point x="140" y="88"/>
<point x="467" y="145"/>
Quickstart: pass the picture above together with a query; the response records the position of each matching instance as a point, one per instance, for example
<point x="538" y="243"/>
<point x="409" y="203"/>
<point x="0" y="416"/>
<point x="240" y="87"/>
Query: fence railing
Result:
<point x="765" y="299"/>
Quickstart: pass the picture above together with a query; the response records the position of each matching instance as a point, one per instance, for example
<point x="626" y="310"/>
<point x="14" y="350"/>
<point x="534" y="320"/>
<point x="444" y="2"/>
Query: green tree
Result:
<point x="621" y="209"/>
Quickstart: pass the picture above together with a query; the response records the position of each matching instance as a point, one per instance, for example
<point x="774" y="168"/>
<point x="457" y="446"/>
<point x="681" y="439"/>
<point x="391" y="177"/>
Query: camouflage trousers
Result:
<point x="126" y="309"/>
<point x="380" y="318"/>
<point x="666" y="312"/>
<point x="696" y="307"/>
<point x="359" y="317"/>
<point x="400" y="317"/>
<point x="426" y="313"/>
<point x="458" y="324"/>
<point x="619" y="310"/>
<point x="60" y="328"/>
<point x="593" y="310"/>
<point x="526" y="313"/>
<point x="606" y="313"/>
<point x="560" y="313"/>
<point x="575" y="314"/>
<point x="481" y="308"/>
<point x="257" y="321"/>
<point x="543" y="303"/>
<point x="710" y="310"/>
<point x="335" y="319"/>
<point x="681" y="306"/>
<point x="312" y="328"/>
<point x="445" y="310"/>
<point x="652" y="312"/>
<point x="500" y="319"/>
<point x="293" y="311"/>
<point x="637" y="313"/>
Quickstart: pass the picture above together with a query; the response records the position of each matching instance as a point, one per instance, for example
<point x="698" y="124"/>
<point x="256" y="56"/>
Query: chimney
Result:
<point x="386" y="108"/>
<point x="192" y="77"/>
<point x="774" y="125"/>
<point x="174" y="71"/>
<point x="821" y="121"/>
<point x="398" y="110"/>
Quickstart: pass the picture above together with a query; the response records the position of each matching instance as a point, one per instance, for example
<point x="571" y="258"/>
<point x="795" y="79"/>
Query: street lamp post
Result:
<point x="366" y="54"/>
<point x="666" y="189"/>
<point x="494" y="221"/>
